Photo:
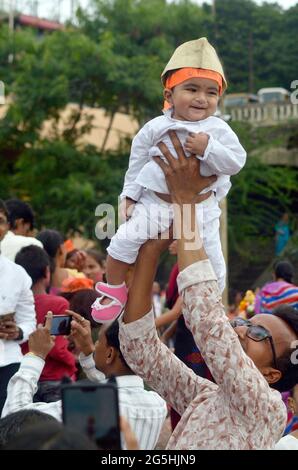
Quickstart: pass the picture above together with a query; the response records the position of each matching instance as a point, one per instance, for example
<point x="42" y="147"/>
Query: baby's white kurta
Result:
<point x="224" y="156"/>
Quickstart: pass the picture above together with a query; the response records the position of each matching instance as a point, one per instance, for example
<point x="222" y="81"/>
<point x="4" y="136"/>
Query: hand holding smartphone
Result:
<point x="61" y="325"/>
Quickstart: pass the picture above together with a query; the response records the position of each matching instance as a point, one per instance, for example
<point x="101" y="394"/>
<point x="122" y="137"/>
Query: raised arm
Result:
<point x="23" y="385"/>
<point x="238" y="379"/>
<point x="140" y="345"/>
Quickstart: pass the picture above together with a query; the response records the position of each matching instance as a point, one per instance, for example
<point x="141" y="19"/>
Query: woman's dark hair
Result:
<point x="284" y="270"/>
<point x="4" y="209"/>
<point x="71" y="253"/>
<point x="15" y="423"/>
<point x="51" y="240"/>
<point x="112" y="336"/>
<point x="18" y="209"/>
<point x="95" y="254"/>
<point x="288" y="362"/>
<point x="34" y="260"/>
<point x="53" y="436"/>
<point x="80" y="302"/>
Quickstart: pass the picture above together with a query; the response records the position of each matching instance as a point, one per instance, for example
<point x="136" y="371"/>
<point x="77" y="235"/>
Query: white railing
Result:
<point x="264" y="112"/>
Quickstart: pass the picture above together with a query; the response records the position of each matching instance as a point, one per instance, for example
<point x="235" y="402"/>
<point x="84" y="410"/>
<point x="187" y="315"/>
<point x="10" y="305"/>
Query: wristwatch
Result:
<point x="20" y="335"/>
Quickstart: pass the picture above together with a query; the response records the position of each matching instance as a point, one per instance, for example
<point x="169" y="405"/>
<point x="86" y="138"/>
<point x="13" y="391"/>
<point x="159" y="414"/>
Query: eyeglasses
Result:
<point x="256" y="333"/>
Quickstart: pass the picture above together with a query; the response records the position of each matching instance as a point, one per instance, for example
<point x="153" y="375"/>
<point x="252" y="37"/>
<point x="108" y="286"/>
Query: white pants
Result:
<point x="152" y="215"/>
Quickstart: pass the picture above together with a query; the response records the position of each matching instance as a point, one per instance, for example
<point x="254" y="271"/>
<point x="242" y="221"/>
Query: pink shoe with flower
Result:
<point x="103" y="313"/>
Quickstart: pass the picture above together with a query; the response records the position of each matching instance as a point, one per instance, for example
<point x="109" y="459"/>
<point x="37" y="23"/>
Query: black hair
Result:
<point x="168" y="74"/>
<point x="284" y="270"/>
<point x="71" y="253"/>
<point x="288" y="362"/>
<point x="51" y="240"/>
<point x="80" y="302"/>
<point x="18" y="209"/>
<point x="292" y="390"/>
<point x="97" y="256"/>
<point x="3" y="208"/>
<point x="34" y="260"/>
<point x="54" y="436"/>
<point x="112" y="335"/>
<point x="15" y="423"/>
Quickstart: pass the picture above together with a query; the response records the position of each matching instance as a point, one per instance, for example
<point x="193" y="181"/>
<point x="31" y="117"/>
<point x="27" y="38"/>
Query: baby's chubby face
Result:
<point x="193" y="100"/>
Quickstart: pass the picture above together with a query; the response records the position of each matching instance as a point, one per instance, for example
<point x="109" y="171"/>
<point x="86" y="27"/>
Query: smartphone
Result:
<point x="94" y="411"/>
<point x="61" y="325"/>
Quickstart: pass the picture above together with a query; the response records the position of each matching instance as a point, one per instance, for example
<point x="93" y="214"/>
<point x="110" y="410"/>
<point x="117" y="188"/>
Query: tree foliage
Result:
<point x="113" y="60"/>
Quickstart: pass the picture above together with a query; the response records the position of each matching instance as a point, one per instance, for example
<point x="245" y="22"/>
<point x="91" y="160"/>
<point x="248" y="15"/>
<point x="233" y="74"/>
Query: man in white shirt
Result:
<point x="144" y="410"/>
<point x="16" y="300"/>
<point x="21" y="222"/>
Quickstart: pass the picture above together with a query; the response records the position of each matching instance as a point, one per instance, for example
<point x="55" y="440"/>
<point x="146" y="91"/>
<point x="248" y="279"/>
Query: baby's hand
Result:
<point x="126" y="208"/>
<point x="196" y="143"/>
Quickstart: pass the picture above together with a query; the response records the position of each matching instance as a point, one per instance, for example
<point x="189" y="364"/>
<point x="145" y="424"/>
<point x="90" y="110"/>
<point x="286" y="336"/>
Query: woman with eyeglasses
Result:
<point x="247" y="360"/>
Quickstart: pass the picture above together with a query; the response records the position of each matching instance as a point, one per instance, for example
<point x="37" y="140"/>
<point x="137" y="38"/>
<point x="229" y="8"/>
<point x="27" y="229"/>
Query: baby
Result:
<point x="193" y="82"/>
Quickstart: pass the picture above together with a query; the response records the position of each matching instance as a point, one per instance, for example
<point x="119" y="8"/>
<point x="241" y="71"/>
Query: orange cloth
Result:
<point x="72" y="284"/>
<point x="69" y="246"/>
<point x="181" y="75"/>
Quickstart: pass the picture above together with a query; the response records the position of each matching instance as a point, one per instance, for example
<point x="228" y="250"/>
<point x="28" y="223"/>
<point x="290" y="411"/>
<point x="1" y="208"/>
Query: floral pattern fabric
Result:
<point x="240" y="410"/>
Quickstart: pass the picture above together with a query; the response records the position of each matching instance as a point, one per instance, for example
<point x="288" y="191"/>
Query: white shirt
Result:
<point x="224" y="155"/>
<point x="157" y="306"/>
<point x="12" y="244"/>
<point x="15" y="296"/>
<point x="287" y="442"/>
<point x="144" y="410"/>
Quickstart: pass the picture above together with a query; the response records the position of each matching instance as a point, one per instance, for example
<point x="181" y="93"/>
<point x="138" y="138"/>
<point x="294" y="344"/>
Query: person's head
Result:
<point x="15" y="423"/>
<point x="53" y="436"/>
<point x="107" y="355"/>
<point x="94" y="265"/>
<point x="53" y="244"/>
<point x="81" y="301"/>
<point x="193" y="80"/>
<point x="283" y="270"/>
<point x="270" y="341"/>
<point x="192" y="99"/>
<point x="71" y="259"/>
<point x="285" y="217"/>
<point x="3" y="220"/>
<point x="173" y="248"/>
<point x="21" y="217"/>
<point x="293" y="400"/>
<point x="36" y="262"/>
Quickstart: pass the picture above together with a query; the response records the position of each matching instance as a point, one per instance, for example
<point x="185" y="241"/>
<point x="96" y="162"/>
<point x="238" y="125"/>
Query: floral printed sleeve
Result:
<point x="149" y="358"/>
<point x="240" y="383"/>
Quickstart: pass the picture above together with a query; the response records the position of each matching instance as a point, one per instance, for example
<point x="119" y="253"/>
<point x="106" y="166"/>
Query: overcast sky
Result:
<point x="51" y="9"/>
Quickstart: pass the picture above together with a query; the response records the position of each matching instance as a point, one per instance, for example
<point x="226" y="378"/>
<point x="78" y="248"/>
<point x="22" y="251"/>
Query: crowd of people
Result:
<point x="223" y="376"/>
<point x="46" y="274"/>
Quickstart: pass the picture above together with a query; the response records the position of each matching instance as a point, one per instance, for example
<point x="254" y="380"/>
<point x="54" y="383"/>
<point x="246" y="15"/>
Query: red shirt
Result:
<point x="59" y="361"/>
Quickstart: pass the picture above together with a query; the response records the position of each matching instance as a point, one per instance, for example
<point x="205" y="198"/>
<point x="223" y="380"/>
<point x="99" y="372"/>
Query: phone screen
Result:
<point x="61" y="325"/>
<point x="94" y="411"/>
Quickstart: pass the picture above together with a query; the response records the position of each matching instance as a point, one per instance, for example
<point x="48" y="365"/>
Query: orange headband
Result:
<point x="181" y="75"/>
<point x="188" y="72"/>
